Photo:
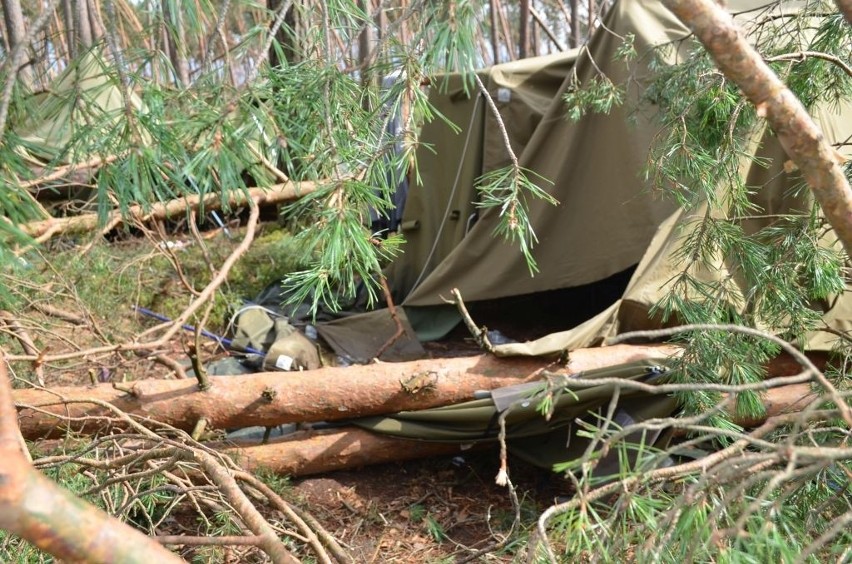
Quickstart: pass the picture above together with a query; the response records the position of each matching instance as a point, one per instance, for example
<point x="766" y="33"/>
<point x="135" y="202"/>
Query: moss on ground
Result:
<point x="109" y="278"/>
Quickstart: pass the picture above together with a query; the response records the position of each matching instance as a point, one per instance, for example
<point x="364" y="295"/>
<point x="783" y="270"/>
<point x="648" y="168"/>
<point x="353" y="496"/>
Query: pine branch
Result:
<point x="799" y="135"/>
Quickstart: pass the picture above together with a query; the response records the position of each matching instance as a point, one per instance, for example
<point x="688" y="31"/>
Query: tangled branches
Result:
<point x="780" y="491"/>
<point x="160" y="480"/>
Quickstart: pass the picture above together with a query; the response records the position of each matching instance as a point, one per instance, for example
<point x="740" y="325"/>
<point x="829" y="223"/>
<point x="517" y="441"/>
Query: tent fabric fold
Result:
<point x="532" y="437"/>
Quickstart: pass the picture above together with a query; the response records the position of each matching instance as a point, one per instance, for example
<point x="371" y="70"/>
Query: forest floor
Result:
<point x="433" y="510"/>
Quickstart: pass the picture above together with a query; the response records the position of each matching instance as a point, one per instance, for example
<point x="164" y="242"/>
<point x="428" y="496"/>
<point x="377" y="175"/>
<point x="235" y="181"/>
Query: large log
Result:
<point x="313" y="452"/>
<point x="326" y="394"/>
<point x="316" y="452"/>
<point x="277" y="193"/>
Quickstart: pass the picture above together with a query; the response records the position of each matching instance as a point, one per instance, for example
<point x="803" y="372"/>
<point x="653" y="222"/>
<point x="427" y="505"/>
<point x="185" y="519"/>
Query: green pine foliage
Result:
<point x="317" y="116"/>
<point x="780" y="273"/>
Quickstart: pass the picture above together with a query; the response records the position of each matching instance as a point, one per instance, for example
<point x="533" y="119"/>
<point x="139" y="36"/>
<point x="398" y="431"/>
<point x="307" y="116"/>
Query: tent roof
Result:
<point x="605" y="218"/>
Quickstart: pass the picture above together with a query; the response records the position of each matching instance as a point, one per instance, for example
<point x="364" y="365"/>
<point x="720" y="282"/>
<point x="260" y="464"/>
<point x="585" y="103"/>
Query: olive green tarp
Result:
<point x="608" y="219"/>
<point x="441" y="207"/>
<point x="530" y="436"/>
<point x="85" y="93"/>
<point x="775" y="193"/>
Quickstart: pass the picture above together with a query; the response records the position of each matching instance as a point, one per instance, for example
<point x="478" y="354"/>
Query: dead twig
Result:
<point x="59" y="313"/>
<point x="183" y="540"/>
<point x="172" y="364"/>
<point x="269" y="542"/>
<point x="400" y="330"/>
<point x="312" y="533"/>
<point x="806" y="363"/>
<point x="479" y="335"/>
<point x="26" y="343"/>
<point x="65" y="527"/>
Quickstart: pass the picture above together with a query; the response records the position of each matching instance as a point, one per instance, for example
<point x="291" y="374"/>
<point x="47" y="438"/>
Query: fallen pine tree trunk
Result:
<point x="314" y="452"/>
<point x="277" y="193"/>
<point x="326" y="394"/>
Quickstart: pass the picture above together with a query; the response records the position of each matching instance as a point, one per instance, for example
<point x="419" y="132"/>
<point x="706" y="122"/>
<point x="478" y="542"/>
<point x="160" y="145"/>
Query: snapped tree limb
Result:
<point x="54" y="519"/>
<point x="45" y="229"/>
<point x="799" y="135"/>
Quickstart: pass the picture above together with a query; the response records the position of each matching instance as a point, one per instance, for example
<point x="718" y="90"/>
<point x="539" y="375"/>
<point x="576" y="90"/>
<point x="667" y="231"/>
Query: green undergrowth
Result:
<point x="108" y="279"/>
<point x="103" y="283"/>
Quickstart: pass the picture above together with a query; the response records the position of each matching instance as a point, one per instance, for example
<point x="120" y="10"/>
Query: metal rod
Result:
<point x="227" y="343"/>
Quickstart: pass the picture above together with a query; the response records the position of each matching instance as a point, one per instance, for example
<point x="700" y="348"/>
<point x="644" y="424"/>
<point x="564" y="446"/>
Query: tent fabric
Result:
<point x="654" y="275"/>
<point x="540" y="441"/>
<point x="360" y="341"/>
<point x="607" y="220"/>
<point x="441" y="205"/>
<point x="86" y="90"/>
<point x="605" y="217"/>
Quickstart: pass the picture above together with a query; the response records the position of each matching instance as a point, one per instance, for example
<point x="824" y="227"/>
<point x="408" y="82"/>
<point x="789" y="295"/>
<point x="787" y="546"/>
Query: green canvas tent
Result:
<point x="607" y="220"/>
<point x="604" y="219"/>
<point x="776" y="195"/>
<point x="85" y="93"/>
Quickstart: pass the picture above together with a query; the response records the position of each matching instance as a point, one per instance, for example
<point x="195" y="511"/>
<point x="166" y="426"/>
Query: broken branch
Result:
<point x="89" y="222"/>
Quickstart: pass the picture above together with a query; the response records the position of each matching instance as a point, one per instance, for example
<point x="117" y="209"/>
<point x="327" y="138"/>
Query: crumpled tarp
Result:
<point x="537" y="440"/>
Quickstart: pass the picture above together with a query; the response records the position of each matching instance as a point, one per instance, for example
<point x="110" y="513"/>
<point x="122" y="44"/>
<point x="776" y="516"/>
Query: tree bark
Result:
<point x="176" y="38"/>
<point x="365" y="43"/>
<point x="495" y="42"/>
<point x="590" y="23"/>
<point x="326" y="394"/>
<point x="287" y="37"/>
<point x="315" y="452"/>
<point x="845" y="7"/>
<point x="575" y="23"/>
<point x="799" y="135"/>
<point x="16" y="32"/>
<point x="82" y="31"/>
<point x="68" y="20"/>
<point x="524" y="30"/>
<point x="89" y="222"/>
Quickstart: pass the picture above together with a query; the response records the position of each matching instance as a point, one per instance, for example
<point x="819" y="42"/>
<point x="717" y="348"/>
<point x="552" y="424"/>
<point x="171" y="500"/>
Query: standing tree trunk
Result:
<point x="845" y="7"/>
<point x="575" y="23"/>
<point x="78" y="27"/>
<point x="365" y="40"/>
<point x="524" y="30"/>
<point x="82" y="25"/>
<point x="16" y="33"/>
<point x="176" y="38"/>
<point x="800" y="137"/>
<point x="286" y="36"/>
<point x="590" y="28"/>
<point x="495" y="42"/>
